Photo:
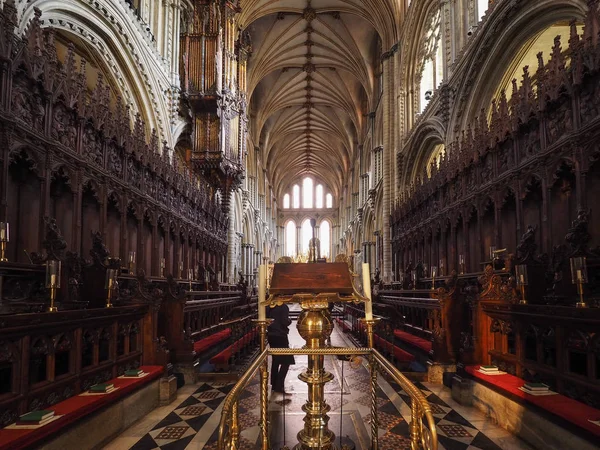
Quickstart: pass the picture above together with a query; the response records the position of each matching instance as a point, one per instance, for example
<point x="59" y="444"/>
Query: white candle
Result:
<point x="262" y="292"/>
<point x="579" y="275"/>
<point x="367" y="289"/>
<point x="4" y="231"/>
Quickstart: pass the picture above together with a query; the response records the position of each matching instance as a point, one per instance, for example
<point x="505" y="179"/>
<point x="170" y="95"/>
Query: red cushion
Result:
<point x="73" y="409"/>
<point x="413" y="340"/>
<point x="223" y="357"/>
<point x="571" y="410"/>
<point x="402" y="356"/>
<point x="204" y="344"/>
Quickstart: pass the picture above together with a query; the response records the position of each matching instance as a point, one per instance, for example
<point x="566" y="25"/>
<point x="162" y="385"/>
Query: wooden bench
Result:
<point x="343" y="325"/>
<point x="222" y="360"/>
<point x="76" y="408"/>
<point x="399" y="354"/>
<point x="208" y="342"/>
<point x="413" y="340"/>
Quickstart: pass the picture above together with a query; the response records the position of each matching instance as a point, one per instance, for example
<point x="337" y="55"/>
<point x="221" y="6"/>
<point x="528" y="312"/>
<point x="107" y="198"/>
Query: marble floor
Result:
<point x="191" y="421"/>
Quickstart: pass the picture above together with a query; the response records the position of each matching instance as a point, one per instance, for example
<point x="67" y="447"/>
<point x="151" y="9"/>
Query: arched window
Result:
<point x="307" y="193"/>
<point x="433" y="67"/>
<point x="306" y="236"/>
<point x="329" y="201"/>
<point x="319" y="195"/>
<point x="286" y="201"/>
<point x="290" y="239"/>
<point x="325" y="238"/>
<point x="296" y="193"/>
<point x="482" y="7"/>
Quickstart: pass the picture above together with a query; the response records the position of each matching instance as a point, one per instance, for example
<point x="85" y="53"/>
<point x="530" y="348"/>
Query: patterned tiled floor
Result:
<point x="191" y="423"/>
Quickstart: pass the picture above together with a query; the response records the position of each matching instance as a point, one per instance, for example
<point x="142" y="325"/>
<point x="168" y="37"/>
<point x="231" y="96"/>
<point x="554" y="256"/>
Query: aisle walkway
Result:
<point x="191" y="422"/>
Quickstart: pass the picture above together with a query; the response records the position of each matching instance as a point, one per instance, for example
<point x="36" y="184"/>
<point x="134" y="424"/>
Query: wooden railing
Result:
<point x="187" y="316"/>
<point x="430" y="314"/>
<point x="204" y="310"/>
<point x="48" y="357"/>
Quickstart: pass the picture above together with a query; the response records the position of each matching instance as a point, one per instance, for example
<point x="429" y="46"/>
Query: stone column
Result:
<point x="388" y="157"/>
<point x="377" y="249"/>
<point x="298" y="239"/>
<point x="231" y="246"/>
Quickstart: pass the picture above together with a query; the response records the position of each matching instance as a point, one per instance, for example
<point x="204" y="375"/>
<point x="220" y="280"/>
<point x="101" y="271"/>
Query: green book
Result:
<point x="536" y="386"/>
<point x="36" y="416"/>
<point x="489" y="367"/>
<point x="102" y="387"/>
<point x="133" y="373"/>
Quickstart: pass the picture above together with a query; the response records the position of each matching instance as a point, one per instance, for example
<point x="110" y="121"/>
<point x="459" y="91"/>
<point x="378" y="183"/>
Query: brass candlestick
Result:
<point x="579" y="277"/>
<point x="180" y="270"/>
<point x="522" y="281"/>
<point x="190" y="277"/>
<point x="53" y="271"/>
<point x="4" y="238"/>
<point x="131" y="263"/>
<point x="162" y="267"/>
<point x="433" y="274"/>
<point x="110" y="285"/>
<point x="461" y="263"/>
<point x="414" y="276"/>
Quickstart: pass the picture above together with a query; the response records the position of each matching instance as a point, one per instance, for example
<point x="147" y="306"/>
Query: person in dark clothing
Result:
<point x="277" y="336"/>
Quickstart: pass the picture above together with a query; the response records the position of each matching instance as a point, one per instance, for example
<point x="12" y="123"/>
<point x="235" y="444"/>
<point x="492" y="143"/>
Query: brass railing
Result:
<point x="423" y="433"/>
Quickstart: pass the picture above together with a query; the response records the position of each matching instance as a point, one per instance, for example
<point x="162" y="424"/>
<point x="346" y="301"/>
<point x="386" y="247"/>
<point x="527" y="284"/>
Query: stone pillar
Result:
<point x="298" y="240"/>
<point x="377" y="249"/>
<point x="388" y="158"/>
<point x="231" y="246"/>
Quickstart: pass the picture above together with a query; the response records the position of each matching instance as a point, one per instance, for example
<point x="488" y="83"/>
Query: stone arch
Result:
<point x="499" y="39"/>
<point x="106" y="29"/>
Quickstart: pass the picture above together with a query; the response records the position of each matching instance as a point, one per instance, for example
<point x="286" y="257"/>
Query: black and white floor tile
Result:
<point x="191" y="423"/>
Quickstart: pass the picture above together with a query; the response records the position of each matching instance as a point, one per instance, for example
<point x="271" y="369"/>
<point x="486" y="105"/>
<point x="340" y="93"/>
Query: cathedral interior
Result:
<point x="390" y="201"/>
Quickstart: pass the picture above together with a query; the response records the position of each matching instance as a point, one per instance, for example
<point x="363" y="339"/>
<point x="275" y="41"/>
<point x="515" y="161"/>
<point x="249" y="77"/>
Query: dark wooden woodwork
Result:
<point x="66" y="155"/>
<point x="527" y="181"/>
<point x="50" y="357"/>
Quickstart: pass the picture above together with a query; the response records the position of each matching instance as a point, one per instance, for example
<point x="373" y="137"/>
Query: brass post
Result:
<point x="370" y="326"/>
<point x="374" y="415"/>
<point x="264" y="386"/>
<point x="109" y="298"/>
<point x="235" y="429"/>
<point x="52" y="308"/>
<point x="3" y="257"/>
<point x="581" y="303"/>
<point x="523" y="300"/>
<point x="414" y="426"/>
<point x="315" y="327"/>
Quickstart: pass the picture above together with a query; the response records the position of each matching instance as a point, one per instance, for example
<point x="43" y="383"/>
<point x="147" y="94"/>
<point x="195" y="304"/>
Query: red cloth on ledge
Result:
<point x="413" y="340"/>
<point x="571" y="410"/>
<point x="204" y="344"/>
<point x="75" y="408"/>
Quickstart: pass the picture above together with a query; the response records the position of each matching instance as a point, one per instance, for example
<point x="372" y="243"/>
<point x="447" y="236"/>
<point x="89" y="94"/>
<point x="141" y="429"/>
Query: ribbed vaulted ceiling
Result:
<point x="311" y="82"/>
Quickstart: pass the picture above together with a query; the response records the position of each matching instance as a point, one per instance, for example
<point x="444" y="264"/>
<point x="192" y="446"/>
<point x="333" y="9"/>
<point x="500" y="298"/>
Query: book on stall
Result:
<point x="537" y="393"/>
<point x="488" y="368"/>
<point x="134" y="373"/>
<point x="536" y="386"/>
<point x="36" y="417"/>
<point x="103" y="387"/>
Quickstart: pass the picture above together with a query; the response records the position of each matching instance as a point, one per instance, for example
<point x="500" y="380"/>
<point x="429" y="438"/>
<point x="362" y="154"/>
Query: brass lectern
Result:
<point x="314" y="287"/>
